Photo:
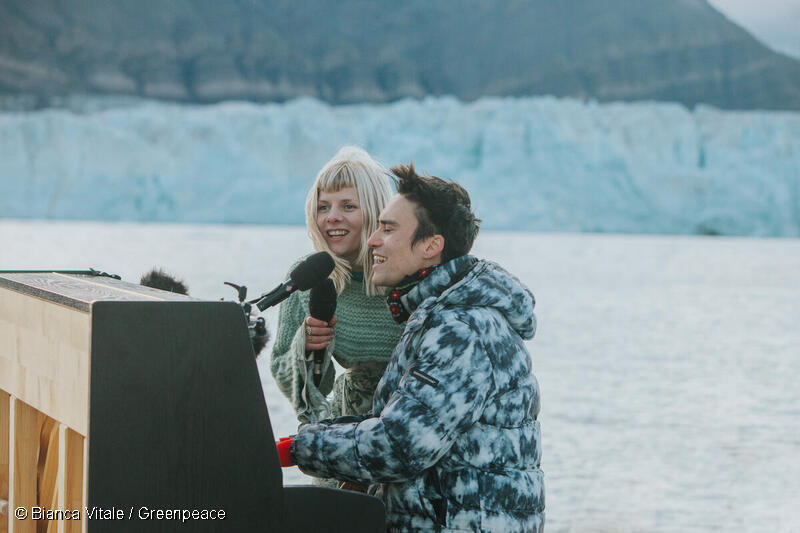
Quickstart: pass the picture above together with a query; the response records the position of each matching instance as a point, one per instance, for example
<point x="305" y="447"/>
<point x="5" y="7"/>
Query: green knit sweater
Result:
<point x="364" y="338"/>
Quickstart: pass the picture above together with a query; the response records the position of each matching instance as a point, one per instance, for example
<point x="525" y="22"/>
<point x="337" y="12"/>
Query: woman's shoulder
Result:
<point x="371" y="309"/>
<point x="355" y="290"/>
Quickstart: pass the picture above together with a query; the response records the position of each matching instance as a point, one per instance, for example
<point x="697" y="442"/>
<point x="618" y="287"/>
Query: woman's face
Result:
<point x="339" y="221"/>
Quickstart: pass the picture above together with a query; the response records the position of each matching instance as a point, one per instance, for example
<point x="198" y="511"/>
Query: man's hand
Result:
<point x="284" y="445"/>
<point x="318" y="333"/>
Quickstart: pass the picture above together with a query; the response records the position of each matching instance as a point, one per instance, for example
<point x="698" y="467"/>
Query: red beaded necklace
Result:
<point x="396" y="307"/>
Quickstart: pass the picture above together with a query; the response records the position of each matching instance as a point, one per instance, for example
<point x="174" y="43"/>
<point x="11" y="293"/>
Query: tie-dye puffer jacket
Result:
<point x="454" y="439"/>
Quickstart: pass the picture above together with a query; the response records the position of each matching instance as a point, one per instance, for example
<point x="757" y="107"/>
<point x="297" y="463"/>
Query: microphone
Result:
<point x="310" y="272"/>
<point x="158" y="279"/>
<point x="322" y="306"/>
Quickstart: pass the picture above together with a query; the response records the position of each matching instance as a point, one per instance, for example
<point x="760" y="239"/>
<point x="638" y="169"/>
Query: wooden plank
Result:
<point x="74" y="482"/>
<point x="25" y="460"/>
<point x="47" y="470"/>
<point x="61" y="480"/>
<point x="12" y="408"/>
<point x="44" y="357"/>
<point x="5" y="431"/>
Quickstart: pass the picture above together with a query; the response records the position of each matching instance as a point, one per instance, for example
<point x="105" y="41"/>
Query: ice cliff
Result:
<point x="538" y="164"/>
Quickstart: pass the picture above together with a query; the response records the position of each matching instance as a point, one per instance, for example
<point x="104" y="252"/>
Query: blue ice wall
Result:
<point x="532" y="164"/>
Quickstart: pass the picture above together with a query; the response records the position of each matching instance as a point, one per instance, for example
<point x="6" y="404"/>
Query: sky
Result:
<point x="774" y="22"/>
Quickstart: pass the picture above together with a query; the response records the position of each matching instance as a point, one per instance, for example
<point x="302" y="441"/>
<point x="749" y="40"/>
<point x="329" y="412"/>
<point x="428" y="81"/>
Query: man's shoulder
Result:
<point x="465" y="319"/>
<point x="482" y="324"/>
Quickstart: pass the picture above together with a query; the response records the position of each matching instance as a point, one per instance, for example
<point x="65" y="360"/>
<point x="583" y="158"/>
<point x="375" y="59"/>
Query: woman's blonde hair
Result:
<point x="350" y="167"/>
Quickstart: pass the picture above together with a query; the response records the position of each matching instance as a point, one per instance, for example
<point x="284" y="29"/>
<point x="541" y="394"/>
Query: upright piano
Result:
<point x="127" y="408"/>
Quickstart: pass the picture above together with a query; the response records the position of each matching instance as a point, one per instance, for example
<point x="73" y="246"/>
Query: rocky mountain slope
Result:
<point x="378" y="51"/>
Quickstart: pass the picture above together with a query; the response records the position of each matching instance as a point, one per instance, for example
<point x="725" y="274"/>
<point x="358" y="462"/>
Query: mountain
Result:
<point x="378" y="51"/>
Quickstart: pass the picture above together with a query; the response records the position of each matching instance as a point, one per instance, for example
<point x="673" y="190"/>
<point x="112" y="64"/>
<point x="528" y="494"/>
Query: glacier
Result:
<point x="530" y="164"/>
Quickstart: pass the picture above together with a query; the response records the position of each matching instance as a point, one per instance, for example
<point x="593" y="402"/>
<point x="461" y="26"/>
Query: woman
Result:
<point x="341" y="213"/>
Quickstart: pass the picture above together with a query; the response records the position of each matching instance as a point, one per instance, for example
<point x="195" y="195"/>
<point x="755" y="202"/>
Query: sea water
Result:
<point x="669" y="366"/>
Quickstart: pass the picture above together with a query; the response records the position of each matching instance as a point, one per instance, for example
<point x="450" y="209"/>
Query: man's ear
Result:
<point x="434" y="247"/>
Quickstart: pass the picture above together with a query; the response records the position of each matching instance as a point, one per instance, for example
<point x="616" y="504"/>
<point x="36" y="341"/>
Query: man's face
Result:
<point x="393" y="256"/>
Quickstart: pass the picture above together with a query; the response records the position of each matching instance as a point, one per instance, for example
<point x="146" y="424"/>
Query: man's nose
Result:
<point x="372" y="242"/>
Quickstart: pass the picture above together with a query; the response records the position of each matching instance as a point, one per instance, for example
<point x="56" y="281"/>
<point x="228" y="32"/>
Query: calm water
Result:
<point x="669" y="366"/>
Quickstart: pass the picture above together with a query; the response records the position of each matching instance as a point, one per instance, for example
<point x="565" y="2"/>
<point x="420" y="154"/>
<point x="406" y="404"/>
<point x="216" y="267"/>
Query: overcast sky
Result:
<point x="774" y="22"/>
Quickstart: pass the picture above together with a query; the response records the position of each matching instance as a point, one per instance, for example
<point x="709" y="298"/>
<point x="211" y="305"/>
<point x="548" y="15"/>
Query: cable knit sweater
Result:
<point x="364" y="338"/>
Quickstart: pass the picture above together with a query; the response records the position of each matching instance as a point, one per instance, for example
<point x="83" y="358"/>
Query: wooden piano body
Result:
<point x="126" y="401"/>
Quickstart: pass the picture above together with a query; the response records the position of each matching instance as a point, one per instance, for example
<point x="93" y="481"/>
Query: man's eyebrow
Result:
<point x="387" y="222"/>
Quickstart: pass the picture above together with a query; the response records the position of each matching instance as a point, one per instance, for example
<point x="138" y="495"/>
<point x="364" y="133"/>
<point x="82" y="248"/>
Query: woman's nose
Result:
<point x="334" y="214"/>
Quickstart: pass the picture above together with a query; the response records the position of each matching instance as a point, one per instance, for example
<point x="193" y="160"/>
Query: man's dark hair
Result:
<point x="443" y="207"/>
<point x="158" y="279"/>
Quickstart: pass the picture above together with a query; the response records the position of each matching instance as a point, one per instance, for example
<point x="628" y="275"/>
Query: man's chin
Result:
<point x="381" y="281"/>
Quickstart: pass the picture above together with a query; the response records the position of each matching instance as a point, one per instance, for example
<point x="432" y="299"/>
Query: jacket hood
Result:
<point x="469" y="282"/>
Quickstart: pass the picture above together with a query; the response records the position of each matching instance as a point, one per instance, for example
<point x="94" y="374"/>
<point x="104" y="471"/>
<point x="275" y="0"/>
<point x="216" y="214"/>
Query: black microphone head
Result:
<point x="312" y="271"/>
<point x="322" y="300"/>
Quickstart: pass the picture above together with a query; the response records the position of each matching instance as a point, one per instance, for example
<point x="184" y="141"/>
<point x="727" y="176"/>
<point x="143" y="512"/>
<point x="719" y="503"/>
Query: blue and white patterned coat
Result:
<point x="454" y="440"/>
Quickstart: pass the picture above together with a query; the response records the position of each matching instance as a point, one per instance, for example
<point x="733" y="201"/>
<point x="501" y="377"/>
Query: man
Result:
<point x="453" y="438"/>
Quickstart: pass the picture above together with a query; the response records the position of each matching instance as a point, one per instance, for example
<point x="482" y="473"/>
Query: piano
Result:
<point x="127" y="408"/>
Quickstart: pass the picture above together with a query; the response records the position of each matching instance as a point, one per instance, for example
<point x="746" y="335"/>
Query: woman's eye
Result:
<point x="322" y="208"/>
<point x="350" y="207"/>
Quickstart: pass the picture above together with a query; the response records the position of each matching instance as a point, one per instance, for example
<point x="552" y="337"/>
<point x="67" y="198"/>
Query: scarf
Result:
<point x="399" y="313"/>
